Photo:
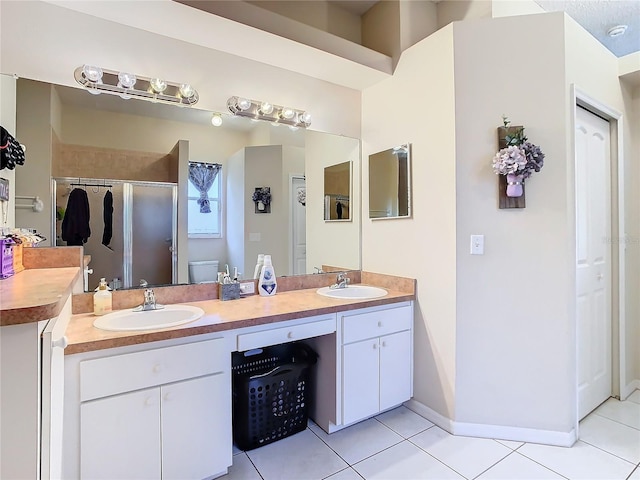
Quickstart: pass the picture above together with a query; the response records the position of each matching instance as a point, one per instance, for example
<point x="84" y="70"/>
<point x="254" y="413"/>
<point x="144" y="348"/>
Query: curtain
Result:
<point x="202" y="177"/>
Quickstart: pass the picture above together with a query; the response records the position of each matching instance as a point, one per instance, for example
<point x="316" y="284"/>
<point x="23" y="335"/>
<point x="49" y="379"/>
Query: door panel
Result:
<point x="360" y="380"/>
<point x="593" y="260"/>
<point x="395" y="374"/>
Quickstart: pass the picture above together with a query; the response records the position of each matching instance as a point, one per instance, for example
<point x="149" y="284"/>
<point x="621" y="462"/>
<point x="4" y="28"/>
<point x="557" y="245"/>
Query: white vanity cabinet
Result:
<point x="162" y="413"/>
<point x="366" y="367"/>
<point x="376" y="360"/>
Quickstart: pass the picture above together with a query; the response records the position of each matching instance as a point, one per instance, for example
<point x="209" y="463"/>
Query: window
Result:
<point x="204" y="225"/>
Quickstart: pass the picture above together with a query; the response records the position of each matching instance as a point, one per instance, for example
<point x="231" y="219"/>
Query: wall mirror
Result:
<point x="337" y="192"/>
<point x="54" y="119"/>
<point x="390" y="183"/>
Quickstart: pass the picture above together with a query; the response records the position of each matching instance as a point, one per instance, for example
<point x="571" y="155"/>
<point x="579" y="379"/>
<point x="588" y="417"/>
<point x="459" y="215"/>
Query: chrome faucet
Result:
<point x="317" y="270"/>
<point x="149" y="302"/>
<point x="342" y="281"/>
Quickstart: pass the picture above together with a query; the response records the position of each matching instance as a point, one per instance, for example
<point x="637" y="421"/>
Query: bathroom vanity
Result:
<point x="162" y="409"/>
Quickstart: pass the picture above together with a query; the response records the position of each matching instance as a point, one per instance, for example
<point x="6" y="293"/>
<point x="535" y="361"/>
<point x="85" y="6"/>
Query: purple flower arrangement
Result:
<point x="519" y="157"/>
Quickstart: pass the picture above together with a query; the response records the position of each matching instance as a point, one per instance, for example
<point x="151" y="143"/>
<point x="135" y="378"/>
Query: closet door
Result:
<point x="152" y="234"/>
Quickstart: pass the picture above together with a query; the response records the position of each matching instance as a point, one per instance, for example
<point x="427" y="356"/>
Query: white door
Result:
<point x="196" y="430"/>
<point x="120" y="437"/>
<point x="395" y="369"/>
<point x="360" y="380"/>
<point x="593" y="260"/>
<point x="298" y="228"/>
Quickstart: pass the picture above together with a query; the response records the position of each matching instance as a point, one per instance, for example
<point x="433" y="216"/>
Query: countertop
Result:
<point x="36" y="294"/>
<point x="221" y="315"/>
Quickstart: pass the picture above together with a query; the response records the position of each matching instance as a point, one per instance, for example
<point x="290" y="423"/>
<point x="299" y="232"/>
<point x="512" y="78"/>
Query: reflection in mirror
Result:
<point x="390" y="183"/>
<point x="337" y="191"/>
<point x="74" y="135"/>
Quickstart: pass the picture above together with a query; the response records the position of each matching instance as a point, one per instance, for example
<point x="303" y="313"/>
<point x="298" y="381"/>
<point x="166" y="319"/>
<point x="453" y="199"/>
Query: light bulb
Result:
<point x="216" y="120"/>
<point x="92" y="73"/>
<point x="126" y="80"/>
<point x="305" y="117"/>
<point x="186" y="90"/>
<point x="123" y="95"/>
<point x="266" y="108"/>
<point x="287" y="113"/>
<point x="293" y="128"/>
<point x="93" y="90"/>
<point x="244" y="104"/>
<point x="158" y="85"/>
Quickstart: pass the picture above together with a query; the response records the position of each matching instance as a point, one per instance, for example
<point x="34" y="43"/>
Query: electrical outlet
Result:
<point x="247" y="288"/>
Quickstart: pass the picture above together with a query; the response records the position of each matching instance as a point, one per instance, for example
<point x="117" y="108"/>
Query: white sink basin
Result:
<point x="353" y="292"/>
<point x="128" y="320"/>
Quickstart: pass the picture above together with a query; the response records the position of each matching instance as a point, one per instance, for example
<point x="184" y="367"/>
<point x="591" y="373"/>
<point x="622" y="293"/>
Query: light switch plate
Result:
<point x="247" y="288"/>
<point x="477" y="244"/>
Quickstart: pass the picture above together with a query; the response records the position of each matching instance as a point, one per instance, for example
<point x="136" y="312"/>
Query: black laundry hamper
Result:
<point x="270" y="393"/>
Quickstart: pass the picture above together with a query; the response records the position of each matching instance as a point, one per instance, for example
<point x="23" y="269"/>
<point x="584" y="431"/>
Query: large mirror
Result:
<point x="337" y="192"/>
<point x="390" y="183"/>
<point x="142" y="141"/>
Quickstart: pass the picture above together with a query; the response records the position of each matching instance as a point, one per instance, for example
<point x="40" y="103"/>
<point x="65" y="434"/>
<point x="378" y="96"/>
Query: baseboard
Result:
<point x="628" y="389"/>
<point x="517" y="434"/>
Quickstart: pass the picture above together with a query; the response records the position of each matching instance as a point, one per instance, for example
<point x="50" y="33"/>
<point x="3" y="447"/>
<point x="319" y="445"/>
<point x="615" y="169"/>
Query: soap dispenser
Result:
<point x="267" y="285"/>
<point x="258" y="269"/>
<point x="102" y="299"/>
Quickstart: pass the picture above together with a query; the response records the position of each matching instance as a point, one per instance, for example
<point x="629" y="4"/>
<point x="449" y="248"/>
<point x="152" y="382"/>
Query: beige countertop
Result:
<point x="223" y="315"/>
<point x="35" y="294"/>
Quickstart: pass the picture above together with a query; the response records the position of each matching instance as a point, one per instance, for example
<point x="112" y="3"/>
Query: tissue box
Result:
<point x="229" y="291"/>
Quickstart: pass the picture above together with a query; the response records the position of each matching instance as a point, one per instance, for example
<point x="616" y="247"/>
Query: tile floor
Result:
<point x="402" y="445"/>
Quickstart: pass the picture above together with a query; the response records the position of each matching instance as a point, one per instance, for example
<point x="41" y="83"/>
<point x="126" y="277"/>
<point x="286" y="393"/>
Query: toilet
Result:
<point x="205" y="271"/>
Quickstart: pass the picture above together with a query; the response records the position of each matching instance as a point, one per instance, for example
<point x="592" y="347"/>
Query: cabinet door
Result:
<point x="196" y="428"/>
<point x="395" y="369"/>
<point x="120" y="436"/>
<point x="360" y="382"/>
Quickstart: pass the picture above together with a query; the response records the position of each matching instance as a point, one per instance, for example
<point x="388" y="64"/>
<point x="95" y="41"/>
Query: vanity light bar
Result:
<point x="100" y="80"/>
<point x="277" y="114"/>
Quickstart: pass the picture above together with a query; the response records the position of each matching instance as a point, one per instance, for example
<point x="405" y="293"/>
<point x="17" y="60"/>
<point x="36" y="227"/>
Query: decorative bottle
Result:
<point x="267" y="285"/>
<point x="102" y="299"/>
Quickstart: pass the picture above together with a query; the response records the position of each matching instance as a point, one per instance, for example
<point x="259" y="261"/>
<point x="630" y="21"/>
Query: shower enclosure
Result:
<point x="144" y="230"/>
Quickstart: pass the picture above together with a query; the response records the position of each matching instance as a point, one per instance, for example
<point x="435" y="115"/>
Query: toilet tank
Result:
<point x="203" y="271"/>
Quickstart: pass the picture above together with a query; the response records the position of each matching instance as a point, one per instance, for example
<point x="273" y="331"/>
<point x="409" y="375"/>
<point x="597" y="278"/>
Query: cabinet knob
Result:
<point x="148" y="401"/>
<point x="379" y="324"/>
<point x="156" y="368"/>
<point x="290" y="335"/>
<point x="375" y="346"/>
<point x="384" y="344"/>
<point x="168" y="397"/>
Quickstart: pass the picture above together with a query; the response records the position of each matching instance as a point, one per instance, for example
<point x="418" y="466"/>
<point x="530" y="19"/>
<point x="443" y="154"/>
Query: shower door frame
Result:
<point x="127" y="227"/>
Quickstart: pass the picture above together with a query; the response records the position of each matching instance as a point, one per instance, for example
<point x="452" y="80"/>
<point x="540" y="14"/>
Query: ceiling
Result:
<point x="595" y="16"/>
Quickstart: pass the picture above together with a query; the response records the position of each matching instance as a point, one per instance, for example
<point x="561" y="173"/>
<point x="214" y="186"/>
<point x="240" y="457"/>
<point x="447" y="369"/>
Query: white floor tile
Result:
<point x="622" y="412"/>
<point x="359" y="441"/>
<point x="635" y="475"/>
<point x="520" y="467"/>
<point x="612" y="437"/>
<point x="403" y="461"/>
<point x="301" y="456"/>
<point x="242" y="469"/>
<point x="346" y="474"/>
<point x="511" y="444"/>
<point x="466" y="455"/>
<point x="634" y="397"/>
<point x="404" y="422"/>
<point x="582" y="461"/>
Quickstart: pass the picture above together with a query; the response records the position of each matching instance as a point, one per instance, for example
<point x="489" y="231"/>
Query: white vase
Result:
<point x="260" y="205"/>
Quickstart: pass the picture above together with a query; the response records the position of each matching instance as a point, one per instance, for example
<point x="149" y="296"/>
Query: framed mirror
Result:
<point x="390" y="183"/>
<point x="337" y="192"/>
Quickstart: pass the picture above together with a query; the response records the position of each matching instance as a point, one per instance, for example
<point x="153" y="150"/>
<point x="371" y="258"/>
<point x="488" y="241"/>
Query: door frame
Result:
<point x="579" y="98"/>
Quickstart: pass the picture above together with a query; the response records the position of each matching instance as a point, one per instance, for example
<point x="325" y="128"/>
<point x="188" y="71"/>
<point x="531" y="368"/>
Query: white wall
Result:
<point x="515" y="343"/>
<point x="8" y="121"/>
<point x="421" y="247"/>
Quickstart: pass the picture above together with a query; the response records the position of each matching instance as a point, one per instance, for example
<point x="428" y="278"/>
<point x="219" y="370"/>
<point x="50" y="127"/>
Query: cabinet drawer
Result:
<point x="132" y="371"/>
<point x="276" y="336"/>
<point x="376" y="323"/>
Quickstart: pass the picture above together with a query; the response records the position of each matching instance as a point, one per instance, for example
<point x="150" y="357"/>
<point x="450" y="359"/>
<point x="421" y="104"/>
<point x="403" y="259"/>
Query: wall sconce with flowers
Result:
<point x="262" y="198"/>
<point x="516" y="160"/>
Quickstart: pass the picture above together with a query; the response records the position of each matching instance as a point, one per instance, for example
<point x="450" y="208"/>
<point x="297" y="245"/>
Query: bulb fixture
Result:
<point x="128" y="85"/>
<point x="266" y="111"/>
<point x="157" y="85"/>
<point x="216" y="120"/>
